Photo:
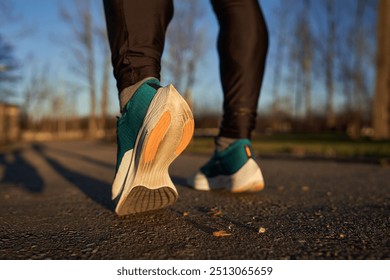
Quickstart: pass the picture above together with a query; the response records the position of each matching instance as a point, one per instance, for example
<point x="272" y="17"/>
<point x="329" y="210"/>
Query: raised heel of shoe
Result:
<point x="167" y="131"/>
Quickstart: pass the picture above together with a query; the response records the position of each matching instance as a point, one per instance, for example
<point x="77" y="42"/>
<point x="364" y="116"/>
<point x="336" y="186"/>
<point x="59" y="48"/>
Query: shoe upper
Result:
<point x="230" y="160"/>
<point x="129" y="124"/>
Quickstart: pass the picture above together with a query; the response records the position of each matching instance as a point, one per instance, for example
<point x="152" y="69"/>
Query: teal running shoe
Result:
<point x="156" y="126"/>
<point x="233" y="169"/>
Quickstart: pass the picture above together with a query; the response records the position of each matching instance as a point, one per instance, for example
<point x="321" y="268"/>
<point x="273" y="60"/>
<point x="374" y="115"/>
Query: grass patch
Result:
<point x="324" y="145"/>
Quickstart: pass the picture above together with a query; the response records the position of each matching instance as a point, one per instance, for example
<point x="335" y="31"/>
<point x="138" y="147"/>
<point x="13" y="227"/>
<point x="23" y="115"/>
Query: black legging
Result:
<point x="136" y="31"/>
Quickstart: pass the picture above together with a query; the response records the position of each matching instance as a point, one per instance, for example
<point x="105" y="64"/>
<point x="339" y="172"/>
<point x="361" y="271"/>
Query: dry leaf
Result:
<point x="305" y="188"/>
<point x="221" y="233"/>
<point x="342" y="235"/>
<point x="261" y="230"/>
<point x="214" y="212"/>
<point x="186" y="213"/>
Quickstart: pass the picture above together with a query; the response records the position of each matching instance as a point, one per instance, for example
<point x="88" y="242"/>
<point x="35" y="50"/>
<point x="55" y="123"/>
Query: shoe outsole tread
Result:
<point x="142" y="199"/>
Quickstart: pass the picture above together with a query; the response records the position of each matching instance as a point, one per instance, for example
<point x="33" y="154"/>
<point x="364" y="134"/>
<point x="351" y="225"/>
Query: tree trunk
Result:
<point x="282" y="13"/>
<point x="81" y="24"/>
<point x="92" y="125"/>
<point x="105" y="86"/>
<point x="382" y="89"/>
<point x="356" y="121"/>
<point x="329" y="64"/>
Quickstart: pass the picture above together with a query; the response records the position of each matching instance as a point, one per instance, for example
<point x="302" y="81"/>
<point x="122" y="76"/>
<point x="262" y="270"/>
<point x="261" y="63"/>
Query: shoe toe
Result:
<point x="199" y="182"/>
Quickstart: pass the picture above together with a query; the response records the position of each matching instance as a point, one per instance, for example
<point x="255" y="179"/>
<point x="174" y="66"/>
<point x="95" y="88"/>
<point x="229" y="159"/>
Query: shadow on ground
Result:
<point x="16" y="171"/>
<point x="71" y="154"/>
<point x="97" y="190"/>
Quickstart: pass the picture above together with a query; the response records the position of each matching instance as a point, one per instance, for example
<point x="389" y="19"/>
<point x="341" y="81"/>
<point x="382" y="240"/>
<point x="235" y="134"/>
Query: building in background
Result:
<point x="9" y="123"/>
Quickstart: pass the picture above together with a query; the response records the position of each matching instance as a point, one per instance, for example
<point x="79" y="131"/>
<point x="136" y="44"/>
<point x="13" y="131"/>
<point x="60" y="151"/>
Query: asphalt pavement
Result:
<point x="55" y="204"/>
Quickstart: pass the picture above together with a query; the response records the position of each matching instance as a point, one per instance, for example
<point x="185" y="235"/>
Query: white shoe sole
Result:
<point x="247" y="179"/>
<point x="142" y="182"/>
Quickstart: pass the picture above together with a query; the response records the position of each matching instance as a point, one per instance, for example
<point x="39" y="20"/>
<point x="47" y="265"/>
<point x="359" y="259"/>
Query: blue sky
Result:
<point x="36" y="29"/>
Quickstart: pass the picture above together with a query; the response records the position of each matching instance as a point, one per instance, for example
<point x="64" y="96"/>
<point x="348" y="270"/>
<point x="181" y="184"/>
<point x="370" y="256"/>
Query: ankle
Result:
<point x="221" y="143"/>
<point x="126" y="94"/>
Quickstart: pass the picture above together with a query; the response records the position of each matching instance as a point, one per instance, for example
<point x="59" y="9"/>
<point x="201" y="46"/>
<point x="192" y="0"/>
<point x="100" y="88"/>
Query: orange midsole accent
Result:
<point x="188" y="131"/>
<point x="156" y="136"/>
<point x="248" y="151"/>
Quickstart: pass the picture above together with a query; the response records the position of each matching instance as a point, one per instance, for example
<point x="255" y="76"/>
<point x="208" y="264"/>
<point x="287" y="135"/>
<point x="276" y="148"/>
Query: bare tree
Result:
<point x="57" y="112"/>
<point x="357" y="70"/>
<point x="281" y="13"/>
<point x="101" y="32"/>
<point x="301" y="57"/>
<point x="330" y="56"/>
<point x="327" y="43"/>
<point x="360" y="36"/>
<point x="105" y="89"/>
<point x="186" y="40"/>
<point x="381" y="108"/>
<point x="80" y="22"/>
<point x="306" y="58"/>
<point x="36" y="93"/>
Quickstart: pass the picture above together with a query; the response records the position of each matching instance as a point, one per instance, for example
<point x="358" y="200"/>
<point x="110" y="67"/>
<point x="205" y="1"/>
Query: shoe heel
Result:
<point x="163" y="137"/>
<point x="186" y="118"/>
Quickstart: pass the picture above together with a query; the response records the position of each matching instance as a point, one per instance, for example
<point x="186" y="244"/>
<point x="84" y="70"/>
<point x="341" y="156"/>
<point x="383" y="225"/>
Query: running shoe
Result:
<point x="233" y="169"/>
<point x="156" y="126"/>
